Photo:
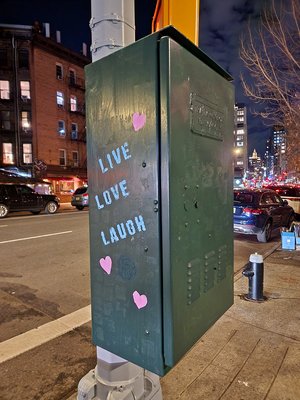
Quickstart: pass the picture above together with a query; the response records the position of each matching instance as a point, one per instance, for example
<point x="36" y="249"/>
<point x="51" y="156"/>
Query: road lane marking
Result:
<point x="3" y="226"/>
<point x="35" y="237"/>
<point x="35" y="337"/>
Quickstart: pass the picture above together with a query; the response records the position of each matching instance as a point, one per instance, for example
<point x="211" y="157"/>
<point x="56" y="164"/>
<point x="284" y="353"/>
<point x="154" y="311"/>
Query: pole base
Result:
<point x="138" y="383"/>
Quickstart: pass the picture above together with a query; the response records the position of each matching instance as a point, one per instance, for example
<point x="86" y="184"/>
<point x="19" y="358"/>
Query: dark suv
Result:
<point x="80" y="198"/>
<point x="15" y="197"/>
<point x="259" y="211"/>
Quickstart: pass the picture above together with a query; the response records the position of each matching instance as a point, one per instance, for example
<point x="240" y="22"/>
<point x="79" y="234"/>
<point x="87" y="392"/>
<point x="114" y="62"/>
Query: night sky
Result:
<point x="221" y="23"/>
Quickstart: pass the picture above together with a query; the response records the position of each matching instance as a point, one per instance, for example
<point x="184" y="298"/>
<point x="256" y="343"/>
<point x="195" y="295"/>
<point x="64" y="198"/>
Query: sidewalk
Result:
<point x="253" y="351"/>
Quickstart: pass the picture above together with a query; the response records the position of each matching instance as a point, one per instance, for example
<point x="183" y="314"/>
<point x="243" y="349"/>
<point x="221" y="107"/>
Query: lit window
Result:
<point x="240" y="163"/>
<point x="8" y="157"/>
<point x="59" y="71"/>
<point x="239" y="144"/>
<point x="25" y="120"/>
<point x="75" y="158"/>
<point x="240" y="119"/>
<point x="27" y="153"/>
<point x="240" y="131"/>
<point x="5" y="120"/>
<point x="60" y="99"/>
<point x="25" y="90"/>
<point x="74" y="131"/>
<point x="73" y="103"/>
<point x="62" y="157"/>
<point x="4" y="90"/>
<point x="240" y="112"/>
<point x="61" y="128"/>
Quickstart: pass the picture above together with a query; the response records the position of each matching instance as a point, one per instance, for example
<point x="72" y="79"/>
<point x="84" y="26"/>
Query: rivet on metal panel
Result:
<point x="186" y="187"/>
<point x="144" y="164"/>
<point x="197" y="186"/>
<point x="189" y="280"/>
<point x="155" y="201"/>
<point x="210" y="235"/>
<point x="198" y="221"/>
<point x="147" y="332"/>
<point x="189" y="266"/>
<point x="186" y="224"/>
<point x="196" y="204"/>
<point x="189" y="272"/>
<point x="146" y="249"/>
<point x="155" y="209"/>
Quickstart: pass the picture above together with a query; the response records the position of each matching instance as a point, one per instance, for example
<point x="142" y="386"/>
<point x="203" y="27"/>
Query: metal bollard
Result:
<point x="254" y="271"/>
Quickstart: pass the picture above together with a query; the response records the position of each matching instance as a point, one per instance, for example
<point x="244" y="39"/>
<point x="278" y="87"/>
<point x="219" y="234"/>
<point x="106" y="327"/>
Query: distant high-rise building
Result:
<point x="42" y="111"/>
<point x="269" y="159"/>
<point x="279" y="149"/>
<point x="240" y="137"/>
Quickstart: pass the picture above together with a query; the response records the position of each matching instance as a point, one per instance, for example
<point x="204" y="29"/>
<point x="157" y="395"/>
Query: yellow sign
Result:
<point x="183" y="15"/>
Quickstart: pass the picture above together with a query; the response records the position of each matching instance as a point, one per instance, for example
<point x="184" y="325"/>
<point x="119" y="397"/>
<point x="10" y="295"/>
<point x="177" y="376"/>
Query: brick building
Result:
<point x="42" y="110"/>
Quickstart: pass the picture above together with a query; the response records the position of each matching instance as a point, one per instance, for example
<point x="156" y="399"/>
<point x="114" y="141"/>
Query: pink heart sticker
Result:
<point x="106" y="264"/>
<point x="140" y="300"/>
<point x="138" y="121"/>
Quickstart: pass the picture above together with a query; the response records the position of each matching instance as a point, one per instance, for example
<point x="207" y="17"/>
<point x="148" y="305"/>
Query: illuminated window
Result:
<point x="60" y="101"/>
<point x="25" y="90"/>
<point x="240" y="131"/>
<point x="240" y="112"/>
<point x="59" y="71"/>
<point x="73" y="103"/>
<point x="62" y="157"/>
<point x="239" y="144"/>
<point x="240" y="119"/>
<point x="4" y="90"/>
<point x="75" y="158"/>
<point x="240" y="163"/>
<point x="27" y="153"/>
<point x="8" y="156"/>
<point x="61" y="128"/>
<point x="25" y="120"/>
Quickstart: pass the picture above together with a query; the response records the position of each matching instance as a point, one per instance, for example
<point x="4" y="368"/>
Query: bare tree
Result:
<point x="271" y="53"/>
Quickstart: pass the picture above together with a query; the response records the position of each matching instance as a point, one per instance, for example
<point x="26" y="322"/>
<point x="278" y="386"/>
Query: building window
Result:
<point x="74" y="131"/>
<point x="8" y="156"/>
<point x="240" y="163"/>
<point x="240" y="131"/>
<point x="61" y="128"/>
<point x="23" y="59"/>
<point x="59" y="71"/>
<point x="60" y="99"/>
<point x="240" y="144"/>
<point x="240" y="119"/>
<point x="3" y="58"/>
<point x="240" y="112"/>
<point x="73" y="103"/>
<point x="27" y="153"/>
<point x="4" y="90"/>
<point x="72" y="77"/>
<point x="5" y="120"/>
<point x="25" y="90"/>
<point x="25" y="120"/>
<point x="75" y="158"/>
<point x="62" y="157"/>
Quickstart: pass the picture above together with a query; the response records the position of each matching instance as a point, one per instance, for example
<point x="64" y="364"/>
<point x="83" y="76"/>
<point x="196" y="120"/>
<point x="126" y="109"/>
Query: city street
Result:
<point x="44" y="276"/>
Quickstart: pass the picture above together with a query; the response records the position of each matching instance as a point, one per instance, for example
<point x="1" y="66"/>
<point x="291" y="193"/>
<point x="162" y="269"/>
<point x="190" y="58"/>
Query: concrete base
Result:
<point x="119" y="381"/>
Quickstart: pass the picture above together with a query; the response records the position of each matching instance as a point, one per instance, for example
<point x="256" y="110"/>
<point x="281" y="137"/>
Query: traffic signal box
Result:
<point x="160" y="126"/>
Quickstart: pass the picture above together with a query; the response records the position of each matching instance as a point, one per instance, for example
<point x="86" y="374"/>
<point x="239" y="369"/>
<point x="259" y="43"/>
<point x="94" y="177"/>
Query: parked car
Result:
<point x="17" y="197"/>
<point x="80" y="198"/>
<point x="291" y="194"/>
<point x="259" y="211"/>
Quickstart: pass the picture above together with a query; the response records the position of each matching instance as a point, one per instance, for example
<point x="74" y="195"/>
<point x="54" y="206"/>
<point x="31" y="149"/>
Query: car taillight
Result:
<point x="85" y="195"/>
<point x="252" y="211"/>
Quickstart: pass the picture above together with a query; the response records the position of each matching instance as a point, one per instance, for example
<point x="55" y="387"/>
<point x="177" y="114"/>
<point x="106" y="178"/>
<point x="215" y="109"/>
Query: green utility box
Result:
<point x="160" y="137"/>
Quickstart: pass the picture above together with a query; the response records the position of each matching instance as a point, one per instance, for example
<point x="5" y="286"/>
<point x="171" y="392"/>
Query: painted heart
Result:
<point x="140" y="300"/>
<point x="138" y="121"/>
<point x="106" y="264"/>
